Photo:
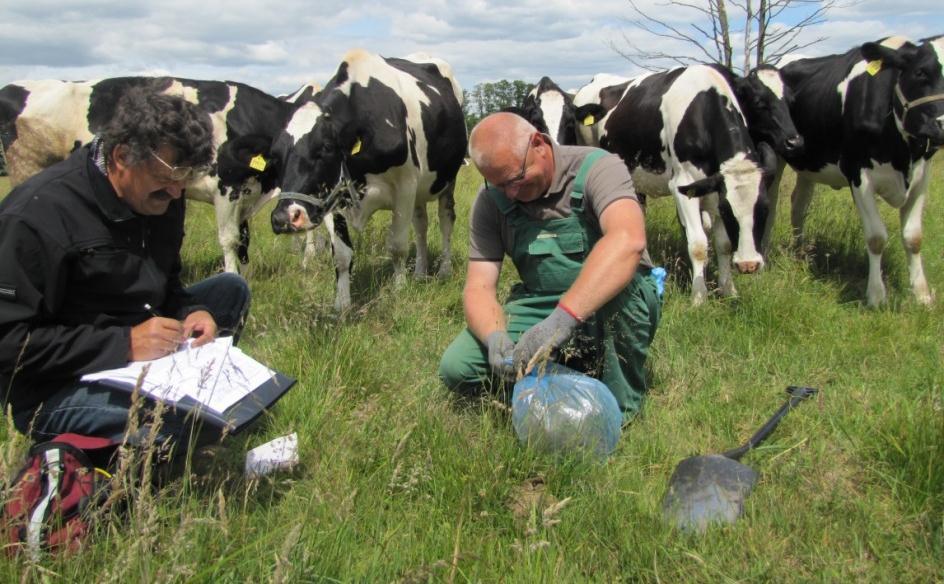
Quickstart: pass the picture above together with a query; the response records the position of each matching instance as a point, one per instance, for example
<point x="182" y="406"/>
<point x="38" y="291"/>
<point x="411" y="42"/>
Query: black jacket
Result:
<point x="77" y="268"/>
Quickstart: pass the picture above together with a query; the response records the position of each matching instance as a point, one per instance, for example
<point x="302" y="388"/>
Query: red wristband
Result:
<point x="564" y="307"/>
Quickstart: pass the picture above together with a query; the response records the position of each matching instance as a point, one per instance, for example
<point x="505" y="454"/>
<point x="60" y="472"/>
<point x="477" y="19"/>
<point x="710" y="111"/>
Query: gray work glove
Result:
<point x="544" y="338"/>
<point x="500" y="349"/>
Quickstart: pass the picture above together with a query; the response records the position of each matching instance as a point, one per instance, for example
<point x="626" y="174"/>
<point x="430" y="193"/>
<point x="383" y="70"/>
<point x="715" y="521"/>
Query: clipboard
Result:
<point x="263" y="388"/>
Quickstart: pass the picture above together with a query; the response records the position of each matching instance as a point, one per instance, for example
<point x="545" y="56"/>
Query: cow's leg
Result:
<point x="773" y="196"/>
<point x="447" y="220"/>
<point x="228" y="229"/>
<point x="800" y="204"/>
<point x="398" y="239"/>
<point x="876" y="236"/>
<point x="420" y="228"/>
<point x="242" y="250"/>
<point x="343" y="252"/>
<point x="689" y="213"/>
<point x="911" y="215"/>
<point x="722" y="247"/>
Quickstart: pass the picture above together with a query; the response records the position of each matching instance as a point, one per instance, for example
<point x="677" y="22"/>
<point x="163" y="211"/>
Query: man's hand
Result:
<point x="500" y="354"/>
<point x="200" y="325"/>
<point x="539" y="341"/>
<point x="155" y="337"/>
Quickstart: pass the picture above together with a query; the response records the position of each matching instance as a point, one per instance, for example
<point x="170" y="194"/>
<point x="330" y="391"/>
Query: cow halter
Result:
<point x="345" y="184"/>
<point x="907" y="105"/>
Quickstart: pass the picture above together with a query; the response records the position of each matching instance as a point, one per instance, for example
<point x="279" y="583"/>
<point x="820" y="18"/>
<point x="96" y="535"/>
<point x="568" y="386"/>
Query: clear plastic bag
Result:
<point x="562" y="411"/>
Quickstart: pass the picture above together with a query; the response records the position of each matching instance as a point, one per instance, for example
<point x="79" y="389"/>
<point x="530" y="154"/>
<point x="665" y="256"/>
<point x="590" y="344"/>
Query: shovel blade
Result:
<point x="707" y="489"/>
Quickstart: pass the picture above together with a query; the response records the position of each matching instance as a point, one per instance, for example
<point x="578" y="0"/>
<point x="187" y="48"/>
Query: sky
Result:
<point x="279" y="46"/>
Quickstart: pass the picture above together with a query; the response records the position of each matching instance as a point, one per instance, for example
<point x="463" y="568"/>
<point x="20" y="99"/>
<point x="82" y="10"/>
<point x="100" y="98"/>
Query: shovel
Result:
<point x="712" y="488"/>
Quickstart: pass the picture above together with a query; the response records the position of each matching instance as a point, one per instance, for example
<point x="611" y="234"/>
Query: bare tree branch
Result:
<point x="708" y="34"/>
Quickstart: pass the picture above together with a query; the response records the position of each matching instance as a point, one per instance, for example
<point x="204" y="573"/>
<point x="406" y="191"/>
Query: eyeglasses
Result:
<point x="518" y="178"/>
<point x="182" y="173"/>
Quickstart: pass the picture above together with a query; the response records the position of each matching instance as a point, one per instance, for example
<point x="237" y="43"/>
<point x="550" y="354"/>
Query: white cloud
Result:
<point x="278" y="47"/>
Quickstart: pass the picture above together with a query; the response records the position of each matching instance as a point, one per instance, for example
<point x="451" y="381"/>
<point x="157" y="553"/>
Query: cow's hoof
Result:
<point x="924" y="295"/>
<point x="728" y="290"/>
<point x="445" y="271"/>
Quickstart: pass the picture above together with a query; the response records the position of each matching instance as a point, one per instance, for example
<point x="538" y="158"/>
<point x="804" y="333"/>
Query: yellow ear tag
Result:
<point x="257" y="163"/>
<point x="589" y="120"/>
<point x="874" y="67"/>
<point x="356" y="148"/>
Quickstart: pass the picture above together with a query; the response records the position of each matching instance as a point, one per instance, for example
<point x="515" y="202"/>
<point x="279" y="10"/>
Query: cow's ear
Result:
<point x="245" y="156"/>
<point x="705" y="186"/>
<point x="589" y="114"/>
<point x="886" y="56"/>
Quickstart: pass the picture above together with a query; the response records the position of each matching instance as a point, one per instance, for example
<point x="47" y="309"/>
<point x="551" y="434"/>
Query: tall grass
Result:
<point x="398" y="482"/>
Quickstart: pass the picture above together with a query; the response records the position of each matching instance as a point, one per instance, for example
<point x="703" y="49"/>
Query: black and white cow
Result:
<point x="551" y="110"/>
<point x="593" y="101"/>
<point x="872" y="119"/>
<point x="41" y="122"/>
<point x="682" y="133"/>
<point x="761" y="94"/>
<point x="393" y="126"/>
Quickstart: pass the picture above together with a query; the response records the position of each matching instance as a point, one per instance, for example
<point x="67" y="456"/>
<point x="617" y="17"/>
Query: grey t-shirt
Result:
<point x="608" y="180"/>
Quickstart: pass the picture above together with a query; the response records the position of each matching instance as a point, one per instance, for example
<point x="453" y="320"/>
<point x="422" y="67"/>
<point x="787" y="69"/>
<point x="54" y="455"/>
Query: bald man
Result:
<point x="569" y="219"/>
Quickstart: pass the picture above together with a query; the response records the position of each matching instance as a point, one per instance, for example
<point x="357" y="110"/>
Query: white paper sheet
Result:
<point x="216" y="375"/>
<point x="281" y="453"/>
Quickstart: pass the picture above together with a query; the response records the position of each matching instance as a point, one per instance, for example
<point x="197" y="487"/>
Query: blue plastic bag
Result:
<point x="658" y="274"/>
<point x="556" y="409"/>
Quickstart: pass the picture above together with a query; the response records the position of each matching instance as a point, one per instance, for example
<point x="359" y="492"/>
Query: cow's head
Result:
<point x="556" y="109"/>
<point x="764" y="101"/>
<point x="550" y="110"/>
<point x="742" y="202"/>
<point x="918" y="101"/>
<point x="318" y="144"/>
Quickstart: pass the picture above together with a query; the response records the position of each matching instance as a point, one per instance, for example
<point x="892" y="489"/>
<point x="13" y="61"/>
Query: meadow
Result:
<point x="400" y="482"/>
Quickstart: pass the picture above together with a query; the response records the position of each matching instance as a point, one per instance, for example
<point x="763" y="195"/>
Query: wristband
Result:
<point x="564" y="307"/>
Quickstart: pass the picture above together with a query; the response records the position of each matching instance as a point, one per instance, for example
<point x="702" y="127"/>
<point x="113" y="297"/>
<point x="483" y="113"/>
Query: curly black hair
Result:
<point x="145" y="119"/>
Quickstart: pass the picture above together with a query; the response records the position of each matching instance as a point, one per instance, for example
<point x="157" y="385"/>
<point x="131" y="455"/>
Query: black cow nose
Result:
<point x="795" y="143"/>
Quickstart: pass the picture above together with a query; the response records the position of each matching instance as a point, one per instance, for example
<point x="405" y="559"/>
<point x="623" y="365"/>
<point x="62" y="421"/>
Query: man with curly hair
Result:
<point x="90" y="271"/>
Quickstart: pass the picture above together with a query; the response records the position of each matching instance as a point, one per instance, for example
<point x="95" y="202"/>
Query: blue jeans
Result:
<point x="95" y="410"/>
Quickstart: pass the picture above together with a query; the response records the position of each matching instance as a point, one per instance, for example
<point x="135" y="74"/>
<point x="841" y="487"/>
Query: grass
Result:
<point x="399" y="483"/>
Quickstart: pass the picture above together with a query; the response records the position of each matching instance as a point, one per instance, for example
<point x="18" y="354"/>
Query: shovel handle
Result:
<point x="797" y="395"/>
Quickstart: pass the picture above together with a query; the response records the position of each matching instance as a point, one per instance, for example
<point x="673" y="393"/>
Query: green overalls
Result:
<point x="611" y="345"/>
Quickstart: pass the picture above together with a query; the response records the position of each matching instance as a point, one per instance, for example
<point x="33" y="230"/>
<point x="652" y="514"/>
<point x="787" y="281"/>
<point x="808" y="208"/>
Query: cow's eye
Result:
<point x="920" y="75"/>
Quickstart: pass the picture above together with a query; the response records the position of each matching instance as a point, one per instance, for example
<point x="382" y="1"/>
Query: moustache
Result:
<point x="161" y="195"/>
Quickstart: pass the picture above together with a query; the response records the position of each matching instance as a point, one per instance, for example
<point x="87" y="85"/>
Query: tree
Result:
<point x="487" y="98"/>
<point x="767" y="34"/>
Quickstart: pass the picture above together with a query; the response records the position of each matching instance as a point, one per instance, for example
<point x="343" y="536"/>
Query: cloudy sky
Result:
<point x="277" y="46"/>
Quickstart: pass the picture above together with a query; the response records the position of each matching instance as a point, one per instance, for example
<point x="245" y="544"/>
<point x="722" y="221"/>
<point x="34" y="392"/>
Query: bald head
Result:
<point x="497" y="139"/>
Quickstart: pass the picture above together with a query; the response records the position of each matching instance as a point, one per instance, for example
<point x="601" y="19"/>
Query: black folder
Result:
<point x="235" y="418"/>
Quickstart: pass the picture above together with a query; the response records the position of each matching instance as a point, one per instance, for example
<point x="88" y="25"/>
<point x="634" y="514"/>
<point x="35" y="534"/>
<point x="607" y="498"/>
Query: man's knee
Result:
<point x="227" y="296"/>
<point x="453" y="372"/>
<point x="463" y="364"/>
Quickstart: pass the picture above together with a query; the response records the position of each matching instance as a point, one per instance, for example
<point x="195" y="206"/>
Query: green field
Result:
<point x="400" y="483"/>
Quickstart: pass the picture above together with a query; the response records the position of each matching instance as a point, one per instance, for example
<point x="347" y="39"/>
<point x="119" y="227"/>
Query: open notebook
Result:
<point x="219" y="382"/>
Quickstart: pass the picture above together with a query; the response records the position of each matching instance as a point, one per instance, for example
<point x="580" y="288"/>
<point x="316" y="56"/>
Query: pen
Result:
<point x="150" y="309"/>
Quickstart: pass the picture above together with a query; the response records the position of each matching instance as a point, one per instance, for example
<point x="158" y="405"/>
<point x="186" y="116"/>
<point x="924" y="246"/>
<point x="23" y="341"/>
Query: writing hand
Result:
<point x="155" y="337"/>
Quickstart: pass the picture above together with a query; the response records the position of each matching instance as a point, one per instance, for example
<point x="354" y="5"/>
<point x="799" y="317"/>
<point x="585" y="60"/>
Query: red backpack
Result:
<point x="48" y="504"/>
